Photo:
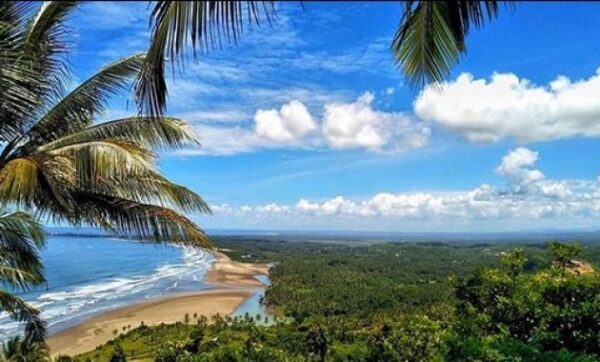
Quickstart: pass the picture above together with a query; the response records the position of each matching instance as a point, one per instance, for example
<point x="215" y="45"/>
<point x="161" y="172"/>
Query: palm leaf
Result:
<point x="35" y="328"/>
<point x="46" y="44"/>
<point x="17" y="277"/>
<point x="76" y="110"/>
<point x="152" y="188"/>
<point x="18" y="227"/>
<point x="37" y="180"/>
<point x="149" y="132"/>
<point x="177" y="23"/>
<point x="431" y="36"/>
<point x="109" y="159"/>
<point x="132" y="218"/>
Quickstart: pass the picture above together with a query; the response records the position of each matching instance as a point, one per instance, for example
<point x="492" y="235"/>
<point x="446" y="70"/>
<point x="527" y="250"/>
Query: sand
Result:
<point x="233" y="283"/>
<point x="225" y="272"/>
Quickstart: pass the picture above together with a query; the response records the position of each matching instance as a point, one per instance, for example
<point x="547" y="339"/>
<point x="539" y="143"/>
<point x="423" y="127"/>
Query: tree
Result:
<point x="21" y="267"/>
<point x="19" y="350"/>
<point x="57" y="161"/>
<point x="563" y="254"/>
<point x="316" y="343"/>
<point x="432" y="36"/>
<point x="118" y="355"/>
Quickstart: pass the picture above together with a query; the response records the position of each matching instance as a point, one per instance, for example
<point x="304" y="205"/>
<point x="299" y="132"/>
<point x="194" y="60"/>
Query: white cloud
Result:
<point x="220" y="116"/>
<point x="358" y="125"/>
<point x="507" y="106"/>
<point x="223" y="141"/>
<point x="518" y="167"/>
<point x="550" y="203"/>
<point x="343" y="126"/>
<point x="288" y="124"/>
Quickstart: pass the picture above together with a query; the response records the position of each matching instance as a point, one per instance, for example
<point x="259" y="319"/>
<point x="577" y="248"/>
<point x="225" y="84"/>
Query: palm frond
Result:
<point x="17" y="277"/>
<point x="17" y="99"/>
<point x="152" y="188"/>
<point x="17" y="227"/>
<point x="132" y="218"/>
<point x="431" y="36"/>
<point x="46" y="43"/>
<point x="177" y="23"/>
<point x="150" y="132"/>
<point x="76" y="110"/>
<point x="105" y="160"/>
<point x="37" y="180"/>
<point x="14" y="13"/>
<point x="19" y="310"/>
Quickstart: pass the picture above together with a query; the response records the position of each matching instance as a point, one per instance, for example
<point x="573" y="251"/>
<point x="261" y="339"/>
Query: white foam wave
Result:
<point x="60" y="306"/>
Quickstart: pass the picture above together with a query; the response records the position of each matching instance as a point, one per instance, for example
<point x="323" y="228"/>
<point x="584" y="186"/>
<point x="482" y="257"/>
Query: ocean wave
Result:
<point x="67" y="305"/>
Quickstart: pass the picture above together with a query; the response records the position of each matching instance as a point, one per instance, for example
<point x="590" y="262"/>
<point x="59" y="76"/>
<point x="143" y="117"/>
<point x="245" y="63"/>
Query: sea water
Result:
<point x="89" y="275"/>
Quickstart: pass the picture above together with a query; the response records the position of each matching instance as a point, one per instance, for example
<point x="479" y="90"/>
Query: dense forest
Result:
<point x="395" y="302"/>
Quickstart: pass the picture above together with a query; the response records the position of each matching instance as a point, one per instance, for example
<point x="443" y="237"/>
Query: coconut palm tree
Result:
<point x="59" y="163"/>
<point x="20" y="350"/>
<point x="20" y="267"/>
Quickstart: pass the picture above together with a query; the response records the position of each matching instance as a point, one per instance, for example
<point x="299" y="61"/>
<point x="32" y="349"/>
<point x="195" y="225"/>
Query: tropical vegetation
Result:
<point x="395" y="302"/>
<point x="58" y="163"/>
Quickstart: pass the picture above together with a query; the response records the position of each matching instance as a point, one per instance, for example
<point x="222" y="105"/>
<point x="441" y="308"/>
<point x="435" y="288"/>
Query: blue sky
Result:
<point x="307" y="123"/>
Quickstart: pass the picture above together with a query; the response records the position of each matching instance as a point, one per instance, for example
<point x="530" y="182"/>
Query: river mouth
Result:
<point x="253" y="306"/>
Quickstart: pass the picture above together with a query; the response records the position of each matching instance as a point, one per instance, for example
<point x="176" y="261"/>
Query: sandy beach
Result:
<point x="233" y="283"/>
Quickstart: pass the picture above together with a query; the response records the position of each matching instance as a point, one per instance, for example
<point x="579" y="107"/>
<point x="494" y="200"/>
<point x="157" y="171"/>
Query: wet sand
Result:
<point x="233" y="283"/>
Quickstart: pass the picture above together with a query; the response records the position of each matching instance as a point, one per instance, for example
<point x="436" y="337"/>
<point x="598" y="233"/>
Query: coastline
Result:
<point x="231" y="284"/>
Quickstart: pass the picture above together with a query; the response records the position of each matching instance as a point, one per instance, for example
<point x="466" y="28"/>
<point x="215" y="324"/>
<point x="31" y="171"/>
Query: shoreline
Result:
<point x="230" y="285"/>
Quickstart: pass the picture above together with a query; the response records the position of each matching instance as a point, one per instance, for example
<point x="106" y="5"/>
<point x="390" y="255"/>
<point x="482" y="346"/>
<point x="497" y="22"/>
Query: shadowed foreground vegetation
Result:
<point x="395" y="302"/>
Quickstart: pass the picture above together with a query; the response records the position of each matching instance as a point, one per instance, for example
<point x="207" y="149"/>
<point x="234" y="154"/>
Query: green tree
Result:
<point x="316" y="343"/>
<point x="118" y="355"/>
<point x="563" y="254"/>
<point x="501" y="314"/>
<point x="20" y="350"/>
<point x="57" y="161"/>
<point x="21" y="267"/>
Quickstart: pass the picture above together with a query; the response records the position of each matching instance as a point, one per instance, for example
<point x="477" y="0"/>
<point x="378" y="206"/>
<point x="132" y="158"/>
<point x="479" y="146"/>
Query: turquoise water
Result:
<point x="253" y="306"/>
<point x="89" y="275"/>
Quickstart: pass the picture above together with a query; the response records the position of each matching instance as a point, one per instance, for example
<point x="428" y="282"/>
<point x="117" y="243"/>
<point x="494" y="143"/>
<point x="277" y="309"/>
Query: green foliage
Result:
<point x="55" y="161"/>
<point x="499" y="311"/>
<point x="431" y="37"/>
<point x="499" y="304"/>
<point x="118" y="355"/>
<point x="23" y="350"/>
<point x="21" y="236"/>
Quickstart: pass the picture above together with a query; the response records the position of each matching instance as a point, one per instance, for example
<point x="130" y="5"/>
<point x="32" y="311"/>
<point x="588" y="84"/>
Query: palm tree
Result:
<point x="20" y="267"/>
<point x="431" y="36"/>
<point x="19" y="350"/>
<point x="58" y="163"/>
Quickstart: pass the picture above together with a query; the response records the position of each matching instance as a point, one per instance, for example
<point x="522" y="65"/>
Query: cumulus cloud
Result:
<point x="343" y="125"/>
<point x="506" y="106"/>
<point x="528" y="198"/>
<point x="358" y="125"/>
<point x="518" y="167"/>
<point x="288" y="124"/>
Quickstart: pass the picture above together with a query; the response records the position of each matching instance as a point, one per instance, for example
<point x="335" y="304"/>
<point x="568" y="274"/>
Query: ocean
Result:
<point x="89" y="275"/>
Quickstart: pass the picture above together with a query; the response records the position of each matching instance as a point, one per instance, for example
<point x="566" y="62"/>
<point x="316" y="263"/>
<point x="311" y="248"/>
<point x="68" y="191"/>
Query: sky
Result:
<point x="307" y="124"/>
